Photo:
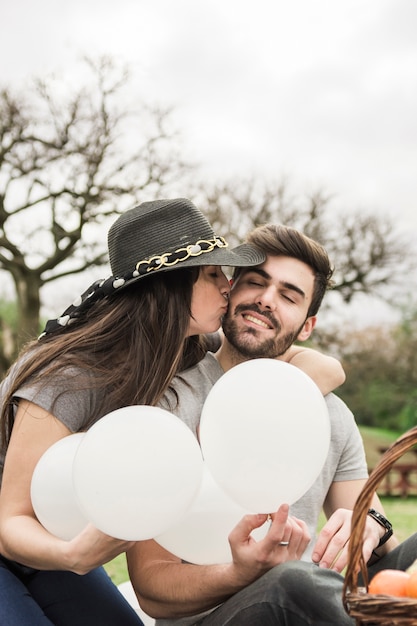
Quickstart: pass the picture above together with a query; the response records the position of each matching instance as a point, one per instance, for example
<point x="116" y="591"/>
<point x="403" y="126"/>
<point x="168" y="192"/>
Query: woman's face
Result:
<point x="209" y="300"/>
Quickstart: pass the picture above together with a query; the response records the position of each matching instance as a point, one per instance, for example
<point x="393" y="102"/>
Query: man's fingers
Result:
<point x="246" y="525"/>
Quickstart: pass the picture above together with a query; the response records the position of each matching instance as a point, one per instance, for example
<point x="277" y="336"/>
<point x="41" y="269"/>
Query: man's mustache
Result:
<point x="254" y="307"/>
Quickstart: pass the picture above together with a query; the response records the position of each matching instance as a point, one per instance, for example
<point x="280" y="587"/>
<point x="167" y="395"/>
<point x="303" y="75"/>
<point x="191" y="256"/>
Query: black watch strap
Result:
<point x="382" y="521"/>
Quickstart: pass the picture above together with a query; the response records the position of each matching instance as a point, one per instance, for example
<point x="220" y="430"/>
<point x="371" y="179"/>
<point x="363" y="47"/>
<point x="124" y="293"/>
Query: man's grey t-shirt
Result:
<point x="345" y="460"/>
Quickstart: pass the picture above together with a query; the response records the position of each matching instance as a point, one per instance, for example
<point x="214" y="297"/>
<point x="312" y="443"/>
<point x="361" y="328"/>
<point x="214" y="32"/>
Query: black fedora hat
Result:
<point x="157" y="236"/>
<point x="162" y="235"/>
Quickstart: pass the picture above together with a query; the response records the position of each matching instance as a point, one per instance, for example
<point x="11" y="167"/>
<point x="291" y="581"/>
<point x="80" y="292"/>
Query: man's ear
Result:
<point x="307" y="329"/>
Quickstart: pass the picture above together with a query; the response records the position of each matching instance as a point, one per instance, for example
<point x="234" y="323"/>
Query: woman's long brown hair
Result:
<point x="128" y="346"/>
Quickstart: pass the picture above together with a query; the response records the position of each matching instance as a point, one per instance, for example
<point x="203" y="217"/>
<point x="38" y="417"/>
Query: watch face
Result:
<point x="381" y="519"/>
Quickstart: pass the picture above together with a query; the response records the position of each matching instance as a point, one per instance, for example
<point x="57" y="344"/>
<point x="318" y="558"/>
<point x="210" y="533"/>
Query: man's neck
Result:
<point x="228" y="356"/>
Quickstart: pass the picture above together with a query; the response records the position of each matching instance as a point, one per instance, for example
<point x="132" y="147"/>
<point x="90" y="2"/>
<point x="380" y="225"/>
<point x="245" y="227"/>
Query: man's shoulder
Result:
<point x="208" y="368"/>
<point x="335" y="404"/>
<point x="342" y="420"/>
<point x="189" y="389"/>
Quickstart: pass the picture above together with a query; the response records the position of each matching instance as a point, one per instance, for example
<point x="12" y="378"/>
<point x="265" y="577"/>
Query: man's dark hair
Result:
<point x="279" y="240"/>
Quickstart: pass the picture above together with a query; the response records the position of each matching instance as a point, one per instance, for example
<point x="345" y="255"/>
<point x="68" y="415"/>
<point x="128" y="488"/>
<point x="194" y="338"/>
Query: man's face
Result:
<point x="268" y="307"/>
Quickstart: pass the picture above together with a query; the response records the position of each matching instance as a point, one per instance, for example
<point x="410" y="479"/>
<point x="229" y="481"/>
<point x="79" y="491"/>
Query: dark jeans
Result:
<point x="30" y="597"/>
<point x="299" y="594"/>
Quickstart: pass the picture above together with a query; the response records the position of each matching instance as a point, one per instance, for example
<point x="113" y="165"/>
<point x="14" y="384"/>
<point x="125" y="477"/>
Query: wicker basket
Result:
<point x="367" y="608"/>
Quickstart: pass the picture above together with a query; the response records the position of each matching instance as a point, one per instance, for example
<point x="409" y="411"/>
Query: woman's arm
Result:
<point x="22" y="537"/>
<point x="326" y="371"/>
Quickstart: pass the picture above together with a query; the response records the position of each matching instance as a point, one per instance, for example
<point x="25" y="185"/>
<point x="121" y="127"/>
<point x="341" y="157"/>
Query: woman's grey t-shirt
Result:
<point x="63" y="395"/>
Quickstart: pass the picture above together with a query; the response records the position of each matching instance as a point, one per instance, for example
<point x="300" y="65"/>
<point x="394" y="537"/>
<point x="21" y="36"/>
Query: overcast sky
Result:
<point x="324" y="91"/>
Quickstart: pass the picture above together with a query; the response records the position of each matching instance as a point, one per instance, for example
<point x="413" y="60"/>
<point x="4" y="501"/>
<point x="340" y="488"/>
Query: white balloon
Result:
<point x="265" y="433"/>
<point x="137" y="471"/>
<point x="201" y="536"/>
<point x="52" y="491"/>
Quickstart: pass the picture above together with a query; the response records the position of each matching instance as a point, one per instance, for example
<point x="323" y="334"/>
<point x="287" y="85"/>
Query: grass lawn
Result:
<point x="402" y="512"/>
<point x="117" y="569"/>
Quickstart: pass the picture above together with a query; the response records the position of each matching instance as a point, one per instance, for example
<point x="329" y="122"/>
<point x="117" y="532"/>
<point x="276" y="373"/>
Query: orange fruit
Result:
<point x="391" y="582"/>
<point x="411" y="585"/>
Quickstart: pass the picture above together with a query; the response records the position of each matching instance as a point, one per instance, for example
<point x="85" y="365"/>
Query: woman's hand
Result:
<point x="92" y="548"/>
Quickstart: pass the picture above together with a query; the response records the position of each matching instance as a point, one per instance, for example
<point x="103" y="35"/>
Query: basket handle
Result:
<point x="356" y="561"/>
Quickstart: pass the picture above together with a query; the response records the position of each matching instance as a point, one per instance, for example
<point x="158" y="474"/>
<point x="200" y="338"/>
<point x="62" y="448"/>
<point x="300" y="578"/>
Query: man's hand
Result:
<point x="286" y="540"/>
<point x="331" y="549"/>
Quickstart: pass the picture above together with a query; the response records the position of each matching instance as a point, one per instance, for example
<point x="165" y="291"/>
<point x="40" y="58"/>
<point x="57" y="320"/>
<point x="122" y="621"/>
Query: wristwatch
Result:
<point x="382" y="521"/>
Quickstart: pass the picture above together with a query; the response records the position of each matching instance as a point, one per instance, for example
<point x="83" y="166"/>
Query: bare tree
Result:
<point x="69" y="159"/>
<point x="369" y="254"/>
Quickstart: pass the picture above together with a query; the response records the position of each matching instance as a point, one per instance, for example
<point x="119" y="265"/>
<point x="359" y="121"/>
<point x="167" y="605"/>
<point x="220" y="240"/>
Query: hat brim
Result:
<point x="244" y="255"/>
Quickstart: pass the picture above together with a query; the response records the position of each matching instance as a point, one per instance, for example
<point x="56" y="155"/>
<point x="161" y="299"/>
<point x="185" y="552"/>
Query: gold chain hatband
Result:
<point x="168" y="259"/>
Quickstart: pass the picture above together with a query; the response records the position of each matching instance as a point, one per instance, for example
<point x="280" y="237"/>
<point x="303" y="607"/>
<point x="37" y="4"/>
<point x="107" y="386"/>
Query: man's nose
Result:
<point x="267" y="299"/>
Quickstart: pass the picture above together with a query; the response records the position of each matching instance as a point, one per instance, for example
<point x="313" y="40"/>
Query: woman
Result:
<point x="119" y="344"/>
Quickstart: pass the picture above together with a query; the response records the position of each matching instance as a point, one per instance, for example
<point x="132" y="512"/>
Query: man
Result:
<point x="271" y="306"/>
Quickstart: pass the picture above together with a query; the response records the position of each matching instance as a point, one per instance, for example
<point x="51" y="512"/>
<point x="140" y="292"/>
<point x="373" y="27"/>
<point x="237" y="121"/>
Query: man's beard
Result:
<point x="243" y="343"/>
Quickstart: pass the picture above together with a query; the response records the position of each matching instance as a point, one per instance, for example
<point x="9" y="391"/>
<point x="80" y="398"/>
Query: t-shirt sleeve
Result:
<point x="352" y="464"/>
<point x="64" y="396"/>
